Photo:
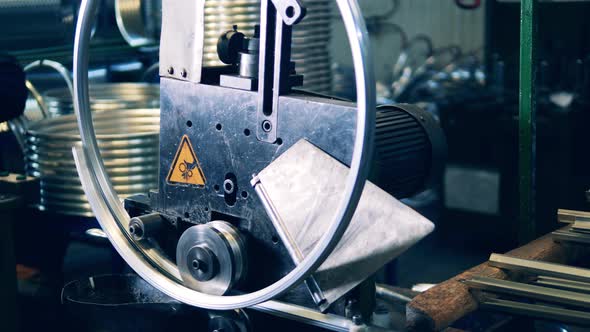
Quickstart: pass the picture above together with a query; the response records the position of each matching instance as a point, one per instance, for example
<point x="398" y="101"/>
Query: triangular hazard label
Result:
<point x="186" y="168"/>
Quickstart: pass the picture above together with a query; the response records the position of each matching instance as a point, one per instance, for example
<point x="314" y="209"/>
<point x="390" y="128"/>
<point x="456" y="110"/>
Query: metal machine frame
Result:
<point x="157" y="269"/>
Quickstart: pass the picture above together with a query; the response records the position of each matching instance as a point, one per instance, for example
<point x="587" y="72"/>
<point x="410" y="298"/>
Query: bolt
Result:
<point x="21" y="177"/>
<point x="170" y="70"/>
<point x="136" y="231"/>
<point x="228" y="186"/>
<point x="266" y="126"/>
<point x="183" y="73"/>
<point x="357" y="320"/>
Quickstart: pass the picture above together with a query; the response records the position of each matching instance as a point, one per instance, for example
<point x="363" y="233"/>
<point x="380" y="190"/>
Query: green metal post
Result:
<point x="527" y="119"/>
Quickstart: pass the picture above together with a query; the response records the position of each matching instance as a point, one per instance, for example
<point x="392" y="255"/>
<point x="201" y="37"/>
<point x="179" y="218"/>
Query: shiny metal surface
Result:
<point x="540" y="311"/>
<point x="181" y="41"/>
<point x="388" y="294"/>
<point x="18" y="126"/>
<point x="545" y="294"/>
<point x="229" y="248"/>
<point x="571" y="236"/>
<point x="302" y="186"/>
<point x="540" y="268"/>
<point x="146" y="260"/>
<point x="128" y="141"/>
<point x="571" y="216"/>
<point x="576" y="286"/>
<point x="311" y="37"/>
<point x="288" y="241"/>
<point x="105" y="97"/>
<point x="138" y="21"/>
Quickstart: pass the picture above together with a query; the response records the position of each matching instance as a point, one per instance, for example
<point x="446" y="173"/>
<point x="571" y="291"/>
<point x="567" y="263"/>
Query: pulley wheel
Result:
<point x="211" y="257"/>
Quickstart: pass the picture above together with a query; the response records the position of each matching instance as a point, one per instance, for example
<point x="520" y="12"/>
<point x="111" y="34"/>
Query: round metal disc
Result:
<point x="223" y="265"/>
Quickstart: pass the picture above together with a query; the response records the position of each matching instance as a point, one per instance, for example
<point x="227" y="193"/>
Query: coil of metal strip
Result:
<point x="106" y="97"/>
<point x="131" y="158"/>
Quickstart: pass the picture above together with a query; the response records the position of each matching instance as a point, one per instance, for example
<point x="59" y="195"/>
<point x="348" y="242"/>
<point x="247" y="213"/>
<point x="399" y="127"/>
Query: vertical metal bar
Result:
<point x="527" y="119"/>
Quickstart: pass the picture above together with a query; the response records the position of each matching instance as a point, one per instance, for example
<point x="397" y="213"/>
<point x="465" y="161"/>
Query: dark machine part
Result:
<point x="146" y="226"/>
<point x="125" y="298"/>
<point x="229" y="46"/>
<point x="410" y="149"/>
<point x="36" y="23"/>
<point x="13" y="91"/>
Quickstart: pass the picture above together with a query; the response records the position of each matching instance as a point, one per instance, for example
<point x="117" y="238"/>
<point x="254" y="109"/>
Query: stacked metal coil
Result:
<point x="220" y="16"/>
<point x="311" y="42"/>
<point x="311" y="37"/>
<point x="104" y="97"/>
<point x="128" y="140"/>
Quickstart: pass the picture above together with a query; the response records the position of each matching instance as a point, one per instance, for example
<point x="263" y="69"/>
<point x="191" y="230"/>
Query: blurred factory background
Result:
<point x="459" y="60"/>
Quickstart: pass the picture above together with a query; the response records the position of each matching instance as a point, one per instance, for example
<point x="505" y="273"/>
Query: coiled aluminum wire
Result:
<point x="105" y="97"/>
<point x="311" y="37"/>
<point x="129" y="143"/>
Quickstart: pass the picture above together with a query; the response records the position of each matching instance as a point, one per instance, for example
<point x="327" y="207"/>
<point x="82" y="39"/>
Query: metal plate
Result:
<point x="304" y="185"/>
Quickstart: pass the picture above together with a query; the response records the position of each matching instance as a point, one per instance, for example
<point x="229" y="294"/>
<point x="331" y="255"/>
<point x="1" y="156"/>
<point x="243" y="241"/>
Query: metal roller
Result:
<point x="128" y="141"/>
<point x="105" y="97"/>
<point x="211" y="257"/>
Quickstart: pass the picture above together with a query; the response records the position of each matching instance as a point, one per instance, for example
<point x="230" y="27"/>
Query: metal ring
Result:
<point x="160" y="271"/>
<point x="19" y="126"/>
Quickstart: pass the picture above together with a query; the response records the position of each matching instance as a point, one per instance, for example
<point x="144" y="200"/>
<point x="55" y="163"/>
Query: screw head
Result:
<point x="171" y="70"/>
<point x="228" y="186"/>
<point x="266" y="126"/>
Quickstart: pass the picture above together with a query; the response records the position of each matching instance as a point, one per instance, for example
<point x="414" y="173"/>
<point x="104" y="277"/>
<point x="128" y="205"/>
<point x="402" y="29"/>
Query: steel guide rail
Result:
<point x="558" y="292"/>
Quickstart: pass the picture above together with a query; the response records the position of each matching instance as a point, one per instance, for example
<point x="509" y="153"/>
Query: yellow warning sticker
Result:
<point x="186" y="168"/>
